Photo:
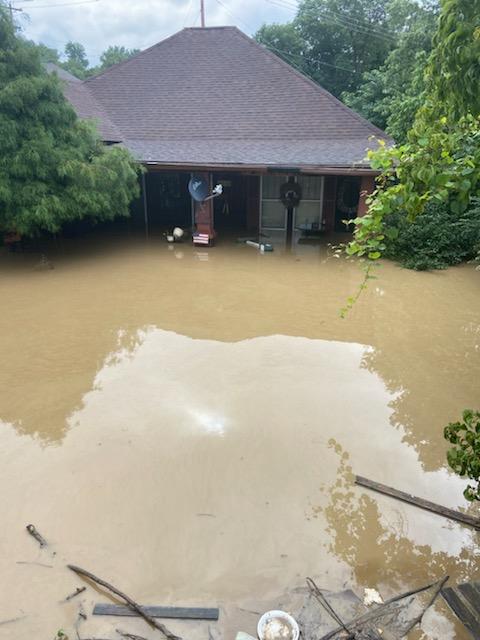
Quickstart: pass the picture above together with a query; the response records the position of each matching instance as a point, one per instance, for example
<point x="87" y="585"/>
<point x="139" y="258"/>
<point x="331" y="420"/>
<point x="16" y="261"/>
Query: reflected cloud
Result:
<point x="215" y="425"/>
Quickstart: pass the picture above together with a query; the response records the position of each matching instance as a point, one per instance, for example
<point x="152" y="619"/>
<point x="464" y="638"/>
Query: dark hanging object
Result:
<point x="290" y="194"/>
<point x="348" y="196"/>
<point x="198" y="188"/>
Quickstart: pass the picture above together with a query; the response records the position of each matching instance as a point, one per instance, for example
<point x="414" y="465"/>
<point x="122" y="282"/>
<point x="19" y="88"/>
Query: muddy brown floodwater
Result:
<point x="185" y="424"/>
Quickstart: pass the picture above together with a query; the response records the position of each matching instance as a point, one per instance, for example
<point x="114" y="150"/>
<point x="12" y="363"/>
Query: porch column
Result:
<point x="367" y="186"/>
<point x="145" y="206"/>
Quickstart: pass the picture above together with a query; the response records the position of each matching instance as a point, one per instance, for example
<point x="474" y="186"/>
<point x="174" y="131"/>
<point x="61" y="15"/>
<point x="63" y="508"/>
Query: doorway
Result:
<point x="346" y="204"/>
<point x="230" y="209"/>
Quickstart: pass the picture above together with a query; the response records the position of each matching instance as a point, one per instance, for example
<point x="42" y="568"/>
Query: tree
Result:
<point x="344" y="38"/>
<point x="454" y="69"/>
<point x="285" y="41"/>
<point x="441" y="160"/>
<point x="77" y="61"/>
<point x="334" y="41"/>
<point x="53" y="167"/>
<point x="47" y="54"/>
<point x="391" y="95"/>
<point x="111" y="56"/>
<point x="115" y="55"/>
<point x="464" y="456"/>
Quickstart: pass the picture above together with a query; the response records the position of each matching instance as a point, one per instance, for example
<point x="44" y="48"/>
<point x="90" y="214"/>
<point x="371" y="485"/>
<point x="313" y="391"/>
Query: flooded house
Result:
<point x="214" y="103"/>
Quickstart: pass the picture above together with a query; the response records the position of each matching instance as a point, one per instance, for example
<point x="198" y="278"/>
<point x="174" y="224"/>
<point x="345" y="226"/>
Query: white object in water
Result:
<point x="277" y="625"/>
<point x="178" y="233"/>
<point x="371" y="596"/>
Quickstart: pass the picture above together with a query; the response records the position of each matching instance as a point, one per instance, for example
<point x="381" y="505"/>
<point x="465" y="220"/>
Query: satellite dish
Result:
<point x="198" y="188"/>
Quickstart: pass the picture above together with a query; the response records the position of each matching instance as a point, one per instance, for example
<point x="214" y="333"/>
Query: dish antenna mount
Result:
<point x="198" y="188"/>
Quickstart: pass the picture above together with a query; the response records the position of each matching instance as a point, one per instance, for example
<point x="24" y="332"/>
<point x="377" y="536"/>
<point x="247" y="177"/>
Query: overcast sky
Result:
<point x="97" y="24"/>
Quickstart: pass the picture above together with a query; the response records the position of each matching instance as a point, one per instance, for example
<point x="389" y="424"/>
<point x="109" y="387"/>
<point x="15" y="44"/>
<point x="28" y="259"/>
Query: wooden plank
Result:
<point x="183" y="613"/>
<point x="419" y="502"/>
<point x="476" y="586"/>
<point x="471" y="595"/>
<point x="462" y="610"/>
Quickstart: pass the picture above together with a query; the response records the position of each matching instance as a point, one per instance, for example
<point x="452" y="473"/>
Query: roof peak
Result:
<point x="226" y="26"/>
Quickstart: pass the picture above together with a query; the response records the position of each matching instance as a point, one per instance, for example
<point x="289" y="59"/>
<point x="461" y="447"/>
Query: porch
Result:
<point x="252" y="204"/>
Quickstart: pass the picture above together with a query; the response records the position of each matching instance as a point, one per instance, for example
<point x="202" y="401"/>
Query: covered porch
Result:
<point x="253" y="202"/>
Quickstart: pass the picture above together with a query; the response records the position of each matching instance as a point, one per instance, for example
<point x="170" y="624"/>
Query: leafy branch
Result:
<point x="464" y="456"/>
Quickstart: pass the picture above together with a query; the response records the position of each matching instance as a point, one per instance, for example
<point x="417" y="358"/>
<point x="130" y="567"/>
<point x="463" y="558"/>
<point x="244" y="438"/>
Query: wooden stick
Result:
<point x="2" y="622"/>
<point x="33" y="532"/>
<point x="130" y="636"/>
<point x="77" y="591"/>
<point x="36" y="564"/>
<point x="383" y="608"/>
<point x="131" y="603"/>
<point x="419" y="502"/>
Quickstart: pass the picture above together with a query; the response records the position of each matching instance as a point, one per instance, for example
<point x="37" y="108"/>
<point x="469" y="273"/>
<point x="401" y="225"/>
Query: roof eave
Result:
<point x="339" y="170"/>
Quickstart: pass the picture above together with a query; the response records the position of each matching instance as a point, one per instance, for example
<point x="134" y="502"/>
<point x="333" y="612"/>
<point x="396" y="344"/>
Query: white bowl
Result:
<point x="277" y="625"/>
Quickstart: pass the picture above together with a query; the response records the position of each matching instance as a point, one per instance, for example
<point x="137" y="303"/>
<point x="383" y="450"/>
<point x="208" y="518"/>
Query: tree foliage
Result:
<point x="391" y="95"/>
<point x="436" y="239"/>
<point x="115" y="55"/>
<point x="53" y="166"/>
<point x="464" y="456"/>
<point x="47" y="54"/>
<point x="440" y="162"/>
<point x="76" y="59"/>
<point x="454" y="70"/>
<point x="334" y="41"/>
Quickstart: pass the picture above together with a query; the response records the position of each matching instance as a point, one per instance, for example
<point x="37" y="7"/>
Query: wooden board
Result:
<point x="184" y="613"/>
<point x="464" y="601"/>
<point x="419" y="502"/>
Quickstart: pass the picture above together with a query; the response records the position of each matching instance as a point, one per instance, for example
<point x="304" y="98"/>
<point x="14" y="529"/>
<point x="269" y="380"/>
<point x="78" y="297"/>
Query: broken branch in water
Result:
<point x="2" y="622"/>
<point x="75" y="593"/>
<point x="80" y="618"/>
<point x="36" y="564"/>
<point x="130" y="636"/>
<point x="131" y="603"/>
<point x="33" y="532"/>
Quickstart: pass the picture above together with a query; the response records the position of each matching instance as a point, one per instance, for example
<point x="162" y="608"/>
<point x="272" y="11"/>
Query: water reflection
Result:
<point x="60" y="326"/>
<point x="172" y="427"/>
<point x="381" y="545"/>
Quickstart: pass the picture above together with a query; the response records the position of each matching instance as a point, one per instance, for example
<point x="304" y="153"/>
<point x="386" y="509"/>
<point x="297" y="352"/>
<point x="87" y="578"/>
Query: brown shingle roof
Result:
<point x="85" y="105"/>
<point x="214" y="96"/>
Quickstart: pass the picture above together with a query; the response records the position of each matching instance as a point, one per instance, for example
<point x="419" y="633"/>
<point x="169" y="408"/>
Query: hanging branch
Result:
<point x="131" y="603"/>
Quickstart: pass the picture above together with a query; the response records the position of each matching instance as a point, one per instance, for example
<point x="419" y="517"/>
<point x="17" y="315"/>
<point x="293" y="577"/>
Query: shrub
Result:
<point x="464" y="456"/>
<point x="436" y="239"/>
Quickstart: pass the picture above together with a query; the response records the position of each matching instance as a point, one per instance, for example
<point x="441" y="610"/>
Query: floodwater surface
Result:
<point x="186" y="425"/>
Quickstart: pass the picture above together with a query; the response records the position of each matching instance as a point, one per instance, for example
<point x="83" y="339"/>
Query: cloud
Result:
<point x="102" y="23"/>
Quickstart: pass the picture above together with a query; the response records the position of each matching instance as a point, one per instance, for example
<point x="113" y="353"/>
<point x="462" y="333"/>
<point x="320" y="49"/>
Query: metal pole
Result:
<point x="12" y="9"/>
<point x="202" y="13"/>
<point x="145" y="208"/>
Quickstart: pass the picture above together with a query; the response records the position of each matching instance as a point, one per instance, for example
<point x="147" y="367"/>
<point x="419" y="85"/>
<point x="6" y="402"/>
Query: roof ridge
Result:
<point x="310" y="82"/>
<point x="225" y="26"/>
